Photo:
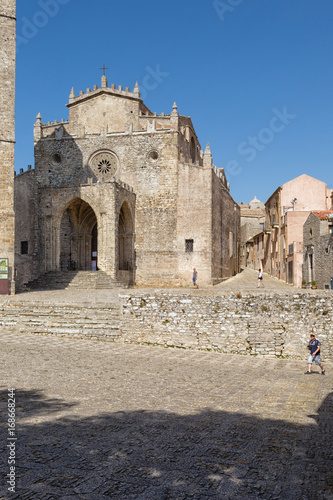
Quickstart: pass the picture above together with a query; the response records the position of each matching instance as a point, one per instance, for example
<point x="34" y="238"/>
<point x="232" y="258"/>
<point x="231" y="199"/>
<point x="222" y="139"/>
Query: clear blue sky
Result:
<point x="254" y="75"/>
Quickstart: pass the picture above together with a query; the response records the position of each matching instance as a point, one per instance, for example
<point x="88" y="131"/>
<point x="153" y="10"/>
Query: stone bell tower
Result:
<point x="7" y="132"/>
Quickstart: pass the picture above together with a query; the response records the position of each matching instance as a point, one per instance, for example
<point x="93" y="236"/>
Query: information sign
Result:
<point x="3" y="269"/>
<point x="4" y="281"/>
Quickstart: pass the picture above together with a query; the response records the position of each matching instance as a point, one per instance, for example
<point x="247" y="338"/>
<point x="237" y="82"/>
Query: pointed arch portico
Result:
<point x="78" y="236"/>
<point x="80" y="228"/>
<point x="68" y="229"/>
<point x="125" y="239"/>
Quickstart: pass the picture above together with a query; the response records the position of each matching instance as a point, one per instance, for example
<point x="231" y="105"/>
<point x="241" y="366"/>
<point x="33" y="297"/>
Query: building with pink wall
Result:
<point x="286" y="212"/>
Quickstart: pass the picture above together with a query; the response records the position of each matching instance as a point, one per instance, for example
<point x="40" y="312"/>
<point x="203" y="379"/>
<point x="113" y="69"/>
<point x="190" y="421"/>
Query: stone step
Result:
<point x="113" y="325"/>
<point x="86" y="280"/>
<point x="101" y="321"/>
<point x="62" y="312"/>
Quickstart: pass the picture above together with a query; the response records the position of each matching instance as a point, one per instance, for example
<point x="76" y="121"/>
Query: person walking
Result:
<point x="260" y="279"/>
<point x="314" y="347"/>
<point x="195" y="278"/>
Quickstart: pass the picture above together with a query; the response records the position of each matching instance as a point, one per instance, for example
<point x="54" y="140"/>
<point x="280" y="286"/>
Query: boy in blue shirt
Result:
<point x="314" y="347"/>
<point x="195" y="278"/>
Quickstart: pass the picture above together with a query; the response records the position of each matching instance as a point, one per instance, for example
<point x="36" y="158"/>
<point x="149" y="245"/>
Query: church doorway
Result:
<point x="78" y="237"/>
<point x="125" y="239"/>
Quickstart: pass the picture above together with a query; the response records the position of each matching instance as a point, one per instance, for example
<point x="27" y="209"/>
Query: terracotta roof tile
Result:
<point x="323" y="214"/>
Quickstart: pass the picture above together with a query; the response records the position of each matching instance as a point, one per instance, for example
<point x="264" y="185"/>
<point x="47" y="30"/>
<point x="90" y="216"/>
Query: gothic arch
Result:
<point x="125" y="238"/>
<point x="77" y="235"/>
<point x="67" y="201"/>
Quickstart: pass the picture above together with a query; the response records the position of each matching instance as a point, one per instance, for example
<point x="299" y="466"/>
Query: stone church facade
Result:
<point x="7" y="136"/>
<point x="126" y="191"/>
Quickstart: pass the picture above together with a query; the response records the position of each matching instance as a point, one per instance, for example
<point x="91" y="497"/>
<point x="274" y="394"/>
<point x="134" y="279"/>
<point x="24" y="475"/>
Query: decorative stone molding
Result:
<point x="104" y="164"/>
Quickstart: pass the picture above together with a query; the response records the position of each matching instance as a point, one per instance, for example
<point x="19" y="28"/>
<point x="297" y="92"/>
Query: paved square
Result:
<point x="102" y="420"/>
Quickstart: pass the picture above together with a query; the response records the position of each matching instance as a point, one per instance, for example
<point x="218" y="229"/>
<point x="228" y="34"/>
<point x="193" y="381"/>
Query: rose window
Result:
<point x="104" y="164"/>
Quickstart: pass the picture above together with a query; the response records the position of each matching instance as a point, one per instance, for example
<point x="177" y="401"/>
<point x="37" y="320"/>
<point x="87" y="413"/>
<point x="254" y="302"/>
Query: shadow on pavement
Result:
<point x="160" y="455"/>
<point x="34" y="403"/>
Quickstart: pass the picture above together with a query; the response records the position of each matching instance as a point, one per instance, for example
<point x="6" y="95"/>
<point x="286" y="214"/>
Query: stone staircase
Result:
<point x="85" y="280"/>
<point x="84" y="320"/>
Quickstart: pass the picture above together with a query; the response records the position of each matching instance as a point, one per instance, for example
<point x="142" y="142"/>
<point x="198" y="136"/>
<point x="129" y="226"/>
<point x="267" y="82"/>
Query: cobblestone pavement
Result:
<point x="244" y="281"/>
<point x="248" y="280"/>
<point x="101" y="420"/>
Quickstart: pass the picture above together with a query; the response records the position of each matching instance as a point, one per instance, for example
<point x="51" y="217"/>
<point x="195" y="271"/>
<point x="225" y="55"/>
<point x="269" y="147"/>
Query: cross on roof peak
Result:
<point x="103" y="69"/>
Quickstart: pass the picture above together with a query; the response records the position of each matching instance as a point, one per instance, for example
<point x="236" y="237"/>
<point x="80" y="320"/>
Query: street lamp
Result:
<point x="293" y="201"/>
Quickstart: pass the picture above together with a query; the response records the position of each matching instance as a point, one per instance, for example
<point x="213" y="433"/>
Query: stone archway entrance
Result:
<point x="125" y="240"/>
<point x="78" y="237"/>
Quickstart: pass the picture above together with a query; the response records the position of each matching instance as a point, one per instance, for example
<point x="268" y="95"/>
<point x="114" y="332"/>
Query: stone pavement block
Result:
<point x="124" y="421"/>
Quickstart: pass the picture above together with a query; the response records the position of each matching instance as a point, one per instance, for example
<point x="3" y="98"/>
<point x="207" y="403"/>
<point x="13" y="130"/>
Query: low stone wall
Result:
<point x="254" y="324"/>
<point x="266" y="325"/>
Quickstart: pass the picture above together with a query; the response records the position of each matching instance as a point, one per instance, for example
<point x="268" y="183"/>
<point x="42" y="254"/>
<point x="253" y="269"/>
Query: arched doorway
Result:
<point x="125" y="239"/>
<point x="78" y="237"/>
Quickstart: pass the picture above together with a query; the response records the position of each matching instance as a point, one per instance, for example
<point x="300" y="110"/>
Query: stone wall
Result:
<point x="266" y="325"/>
<point x="184" y="214"/>
<point x="175" y="201"/>
<point x="318" y="242"/>
<point x="324" y="259"/>
<point x="7" y="133"/>
<point x="226" y="233"/>
<point x="25" y="202"/>
<point x="194" y="194"/>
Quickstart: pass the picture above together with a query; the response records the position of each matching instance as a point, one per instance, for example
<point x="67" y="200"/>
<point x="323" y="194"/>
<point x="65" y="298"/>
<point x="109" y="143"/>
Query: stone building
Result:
<point x="7" y="134"/>
<point x="252" y="223"/>
<point x="318" y="249"/>
<point x="286" y="211"/>
<point x="121" y="189"/>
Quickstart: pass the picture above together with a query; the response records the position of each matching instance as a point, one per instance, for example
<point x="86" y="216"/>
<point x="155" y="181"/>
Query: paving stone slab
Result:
<point x="126" y="421"/>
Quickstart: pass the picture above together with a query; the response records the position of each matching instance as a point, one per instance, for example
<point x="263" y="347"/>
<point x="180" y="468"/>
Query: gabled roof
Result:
<point x="303" y="175"/>
<point x="323" y="214"/>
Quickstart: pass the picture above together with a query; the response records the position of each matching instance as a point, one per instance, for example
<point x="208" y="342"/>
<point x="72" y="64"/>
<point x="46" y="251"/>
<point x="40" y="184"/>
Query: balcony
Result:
<point x="274" y="223"/>
<point x="267" y="228"/>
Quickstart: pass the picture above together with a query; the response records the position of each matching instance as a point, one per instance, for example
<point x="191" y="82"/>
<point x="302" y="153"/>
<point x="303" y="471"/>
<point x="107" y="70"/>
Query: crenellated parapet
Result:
<point x="104" y="88"/>
<point x="55" y="129"/>
<point x="110" y="111"/>
<point x="220" y="173"/>
<point x="125" y="186"/>
<point x="22" y="171"/>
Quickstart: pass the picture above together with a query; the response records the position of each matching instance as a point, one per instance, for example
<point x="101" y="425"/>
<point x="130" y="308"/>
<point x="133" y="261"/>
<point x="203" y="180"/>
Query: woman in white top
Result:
<point x="260" y="279"/>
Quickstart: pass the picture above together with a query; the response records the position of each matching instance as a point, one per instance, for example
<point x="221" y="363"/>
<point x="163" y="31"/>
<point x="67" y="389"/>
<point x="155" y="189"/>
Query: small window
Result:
<point x="153" y="155"/>
<point x="56" y="159"/>
<point x="188" y="245"/>
<point x="24" y="248"/>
